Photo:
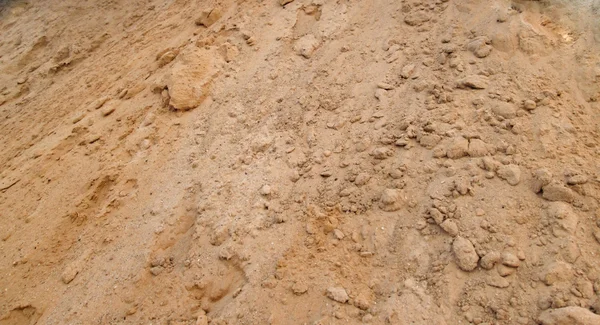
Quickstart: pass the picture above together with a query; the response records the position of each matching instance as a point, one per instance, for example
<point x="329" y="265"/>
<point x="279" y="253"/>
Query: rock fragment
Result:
<point x="474" y="82"/>
<point x="510" y="173"/>
<point x="477" y="148"/>
<point x="505" y="110"/>
<point x="407" y="71"/>
<point x="480" y="46"/>
<point x="381" y="153"/>
<point x="466" y="256"/>
<point x="529" y="105"/>
<point x="450" y="227"/>
<point x="541" y="178"/>
<point x="510" y="259"/>
<point x="69" y="273"/>
<point x="337" y="294"/>
<point x="571" y="315"/>
<point x="489" y="260"/>
<point x="458" y="148"/>
<point x="557" y="192"/>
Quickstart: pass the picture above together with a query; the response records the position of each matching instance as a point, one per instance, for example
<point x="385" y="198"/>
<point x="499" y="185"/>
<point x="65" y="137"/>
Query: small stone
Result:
<point x="510" y="259"/>
<point x="202" y="318"/>
<point x="458" y="148"/>
<point x="299" y="288"/>
<point x="98" y="103"/>
<point x="474" y="82"/>
<point x="505" y="110"/>
<point x="577" y="179"/>
<point x="106" y="111"/>
<point x="381" y="153"/>
<point x="69" y="273"/>
<point x="385" y="86"/>
<point x="436" y="215"/>
<point x="529" y="105"/>
<point x="541" y="178"/>
<point x="407" y="71"/>
<point x="229" y="51"/>
<point x="466" y="256"/>
<point x="510" y="173"/>
<point x="489" y="260"/>
<point x="450" y="227"/>
<point x="557" y="192"/>
<point x="572" y="315"/>
<point x="338" y="234"/>
<point x="167" y="57"/>
<point x="480" y="47"/>
<point x="401" y="142"/>
<point x="337" y="294"/>
<point x="477" y="148"/>
<point x="265" y="190"/>
<point x="285" y="2"/>
<point x="326" y="173"/>
<point x="504" y="270"/>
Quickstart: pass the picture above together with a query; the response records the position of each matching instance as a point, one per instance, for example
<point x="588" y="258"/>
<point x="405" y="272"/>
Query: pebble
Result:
<point x="489" y="260"/>
<point x="265" y="190"/>
<point x="480" y="46"/>
<point x="477" y="148"/>
<point x="381" y="153"/>
<point x="106" y="111"/>
<point x="572" y="315"/>
<point x="510" y="173"/>
<point x="407" y="71"/>
<point x="202" y="318"/>
<point x="338" y="234"/>
<point x="458" y="148"/>
<point x="69" y="273"/>
<point x="541" y="178"/>
<point x="466" y="256"/>
<point x="557" y="192"/>
<point x="337" y="294"/>
<point x="505" y="110"/>
<point x="504" y="270"/>
<point x="450" y="227"/>
<point x="577" y="179"/>
<point x="98" y="103"/>
<point x="385" y="86"/>
<point x="529" y="105"/>
<point x="474" y="82"/>
<point x="510" y="259"/>
<point x="299" y="288"/>
<point x="285" y="2"/>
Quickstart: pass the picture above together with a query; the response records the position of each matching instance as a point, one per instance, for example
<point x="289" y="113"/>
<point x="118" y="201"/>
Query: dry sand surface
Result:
<point x="300" y="162"/>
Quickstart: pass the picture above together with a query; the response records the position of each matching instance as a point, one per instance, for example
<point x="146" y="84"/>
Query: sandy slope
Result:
<point x="321" y="162"/>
